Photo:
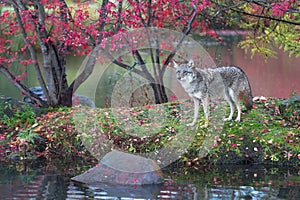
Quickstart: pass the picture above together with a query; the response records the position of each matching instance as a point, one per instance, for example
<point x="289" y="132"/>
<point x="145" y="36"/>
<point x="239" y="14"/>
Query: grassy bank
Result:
<point x="264" y="136"/>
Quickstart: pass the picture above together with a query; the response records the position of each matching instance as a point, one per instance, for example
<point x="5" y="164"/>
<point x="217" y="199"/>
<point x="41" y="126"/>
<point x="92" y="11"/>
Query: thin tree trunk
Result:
<point x="159" y="91"/>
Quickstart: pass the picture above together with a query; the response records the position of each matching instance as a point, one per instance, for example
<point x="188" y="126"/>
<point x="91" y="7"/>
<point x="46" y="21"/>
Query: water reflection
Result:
<point x="233" y="182"/>
<point x="104" y="191"/>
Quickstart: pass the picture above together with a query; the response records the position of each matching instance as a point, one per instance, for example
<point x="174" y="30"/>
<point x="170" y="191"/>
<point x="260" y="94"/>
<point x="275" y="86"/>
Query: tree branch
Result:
<point x="22" y="87"/>
<point x="267" y="17"/>
<point x="141" y="16"/>
<point x="90" y="65"/>
<point x="124" y="66"/>
<point x="186" y="32"/>
<point x="31" y="50"/>
<point x="119" y="23"/>
<point x="49" y="50"/>
<point x="141" y="62"/>
<point x="149" y="22"/>
<point x="269" y="6"/>
<point x="224" y="8"/>
<point x="259" y="3"/>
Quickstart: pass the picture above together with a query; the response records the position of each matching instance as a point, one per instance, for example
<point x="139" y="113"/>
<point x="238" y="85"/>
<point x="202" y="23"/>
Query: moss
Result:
<point x="263" y="136"/>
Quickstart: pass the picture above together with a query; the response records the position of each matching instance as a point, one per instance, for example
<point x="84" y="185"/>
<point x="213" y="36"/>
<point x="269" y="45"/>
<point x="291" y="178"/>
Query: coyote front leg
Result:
<point x="205" y="102"/>
<point x="196" y="111"/>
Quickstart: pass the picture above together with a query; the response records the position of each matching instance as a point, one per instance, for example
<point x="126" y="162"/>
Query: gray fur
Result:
<point x="202" y="85"/>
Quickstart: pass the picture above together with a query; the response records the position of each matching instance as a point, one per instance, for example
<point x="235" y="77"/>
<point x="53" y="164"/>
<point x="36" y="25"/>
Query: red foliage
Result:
<point x="82" y="28"/>
<point x="279" y="9"/>
<point x="38" y="26"/>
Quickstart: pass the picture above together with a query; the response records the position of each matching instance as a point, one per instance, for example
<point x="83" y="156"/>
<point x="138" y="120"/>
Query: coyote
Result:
<point x="203" y="84"/>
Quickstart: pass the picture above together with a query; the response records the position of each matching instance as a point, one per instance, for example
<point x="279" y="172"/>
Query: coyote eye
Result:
<point x="185" y="73"/>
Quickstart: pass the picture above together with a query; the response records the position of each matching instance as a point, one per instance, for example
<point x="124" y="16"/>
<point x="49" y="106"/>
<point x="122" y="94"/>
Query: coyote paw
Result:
<point x="204" y="126"/>
<point x="237" y="120"/>
<point x="227" y="119"/>
<point x="191" y="124"/>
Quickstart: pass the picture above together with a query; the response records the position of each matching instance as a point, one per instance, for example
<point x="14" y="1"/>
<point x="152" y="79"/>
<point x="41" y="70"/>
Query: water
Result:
<point x="223" y="182"/>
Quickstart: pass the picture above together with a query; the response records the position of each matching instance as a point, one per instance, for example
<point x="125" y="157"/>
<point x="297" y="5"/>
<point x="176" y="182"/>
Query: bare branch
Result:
<point x="267" y="17"/>
<point x="149" y="23"/>
<point x="119" y="23"/>
<point x="22" y="87"/>
<point x="185" y="33"/>
<point x="89" y="68"/>
<point x="141" y="16"/>
<point x="261" y="3"/>
<point x="141" y="62"/>
<point x="123" y="65"/>
<point x="90" y="65"/>
<point x="228" y="8"/>
<point x="32" y="51"/>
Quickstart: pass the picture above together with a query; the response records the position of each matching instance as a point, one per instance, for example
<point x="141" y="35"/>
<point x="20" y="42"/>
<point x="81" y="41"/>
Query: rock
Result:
<point x="290" y="108"/>
<point x="8" y="106"/>
<point x="292" y="100"/>
<point x="77" y="99"/>
<point x="122" y="168"/>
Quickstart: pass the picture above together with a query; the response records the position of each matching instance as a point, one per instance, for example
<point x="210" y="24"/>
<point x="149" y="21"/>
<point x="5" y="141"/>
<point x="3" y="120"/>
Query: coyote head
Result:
<point x="185" y="72"/>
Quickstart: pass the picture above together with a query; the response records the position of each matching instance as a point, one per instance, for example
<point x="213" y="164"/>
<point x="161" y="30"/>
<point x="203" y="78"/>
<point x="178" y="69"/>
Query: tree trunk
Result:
<point x="57" y="86"/>
<point x="66" y="98"/>
<point x="159" y="93"/>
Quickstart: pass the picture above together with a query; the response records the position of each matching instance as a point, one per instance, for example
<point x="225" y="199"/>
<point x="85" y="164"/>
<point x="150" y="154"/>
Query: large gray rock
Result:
<point x="83" y="100"/>
<point x="122" y="168"/>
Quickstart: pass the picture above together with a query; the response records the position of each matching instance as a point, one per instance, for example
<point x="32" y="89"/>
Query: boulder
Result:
<point x="77" y="99"/>
<point x="9" y="105"/>
<point x="290" y="108"/>
<point x="122" y="168"/>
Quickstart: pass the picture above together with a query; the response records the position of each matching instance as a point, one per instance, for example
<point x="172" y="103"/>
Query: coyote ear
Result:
<point x="175" y="64"/>
<point x="191" y="64"/>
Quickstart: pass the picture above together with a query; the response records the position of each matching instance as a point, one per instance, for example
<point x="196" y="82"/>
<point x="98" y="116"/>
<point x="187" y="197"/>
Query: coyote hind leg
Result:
<point x="239" y="109"/>
<point x="236" y="100"/>
<point x="205" y="103"/>
<point x="196" y="111"/>
<point x="231" y="104"/>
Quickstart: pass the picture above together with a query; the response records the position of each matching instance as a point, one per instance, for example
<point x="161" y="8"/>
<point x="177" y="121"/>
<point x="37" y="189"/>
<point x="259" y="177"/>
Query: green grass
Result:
<point x="263" y="136"/>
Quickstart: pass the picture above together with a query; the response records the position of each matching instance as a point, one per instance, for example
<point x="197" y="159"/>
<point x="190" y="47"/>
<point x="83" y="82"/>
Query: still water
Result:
<point x="223" y="182"/>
